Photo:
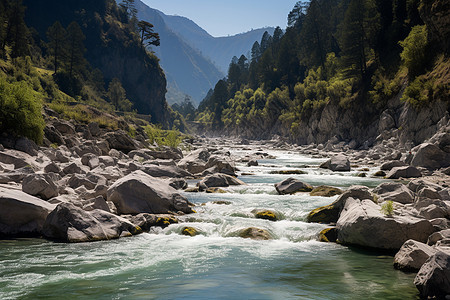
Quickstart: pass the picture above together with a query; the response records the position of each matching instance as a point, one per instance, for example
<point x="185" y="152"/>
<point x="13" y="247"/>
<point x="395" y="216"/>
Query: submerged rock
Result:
<point x="266" y="215"/>
<point x="189" y="231"/>
<point x="218" y="180"/>
<point x="292" y="186"/>
<point x="255" y="234"/>
<point x="328" y="235"/>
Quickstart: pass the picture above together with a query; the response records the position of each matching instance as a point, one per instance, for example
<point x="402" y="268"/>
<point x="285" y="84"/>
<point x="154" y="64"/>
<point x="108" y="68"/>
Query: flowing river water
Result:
<point x="217" y="264"/>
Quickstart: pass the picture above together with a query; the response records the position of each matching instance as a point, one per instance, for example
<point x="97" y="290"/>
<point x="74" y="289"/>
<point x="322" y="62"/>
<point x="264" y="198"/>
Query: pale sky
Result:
<point x="228" y="17"/>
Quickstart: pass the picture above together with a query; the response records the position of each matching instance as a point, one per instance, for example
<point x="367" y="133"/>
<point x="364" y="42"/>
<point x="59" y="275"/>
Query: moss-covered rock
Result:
<point x="255" y="234"/>
<point x="266" y="215"/>
<point x="325" y="214"/>
<point x="189" y="231"/>
<point x="325" y="191"/>
<point x="380" y="174"/>
<point x="328" y="235"/>
<point x="362" y="174"/>
<point x="215" y="190"/>
<point x="165" y="221"/>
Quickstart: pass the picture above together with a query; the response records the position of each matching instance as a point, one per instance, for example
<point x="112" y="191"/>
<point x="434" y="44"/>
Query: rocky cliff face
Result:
<point x="436" y="16"/>
<point x="111" y="47"/>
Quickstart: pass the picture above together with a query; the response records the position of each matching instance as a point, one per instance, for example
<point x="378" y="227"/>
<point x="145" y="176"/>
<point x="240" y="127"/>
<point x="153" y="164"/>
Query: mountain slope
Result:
<point x="111" y="47"/>
<point x="186" y="69"/>
<point x="219" y="49"/>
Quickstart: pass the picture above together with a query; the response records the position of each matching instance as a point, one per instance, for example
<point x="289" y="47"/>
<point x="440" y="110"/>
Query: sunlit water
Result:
<point x="216" y="264"/>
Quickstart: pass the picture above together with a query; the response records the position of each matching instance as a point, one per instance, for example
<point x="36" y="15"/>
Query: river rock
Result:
<point x="120" y="141"/>
<point x="165" y="171"/>
<point x="362" y="223"/>
<point x="96" y="203"/>
<point x="178" y="183"/>
<point x="325" y="191"/>
<point x="338" y="163"/>
<point x="139" y="192"/>
<point x="387" y="166"/>
<point x="196" y="161"/>
<point x="41" y="185"/>
<point x="266" y="215"/>
<point x="430" y="156"/>
<point x="252" y="163"/>
<point x="437" y="236"/>
<point x="69" y="223"/>
<point x="218" y="180"/>
<point x="412" y="255"/>
<point x="255" y="234"/>
<point x="330" y="213"/>
<point x="394" y="191"/>
<point x="433" y="279"/>
<point x="404" y="172"/>
<point x="221" y="165"/>
<point x="292" y="186"/>
<point x="22" y="214"/>
<point x="189" y="231"/>
<point x="328" y="235"/>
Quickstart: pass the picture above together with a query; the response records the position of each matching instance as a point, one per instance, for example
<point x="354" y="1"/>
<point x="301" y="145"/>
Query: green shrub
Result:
<point x="21" y="110"/>
<point x="387" y="208"/>
<point x="414" y="50"/>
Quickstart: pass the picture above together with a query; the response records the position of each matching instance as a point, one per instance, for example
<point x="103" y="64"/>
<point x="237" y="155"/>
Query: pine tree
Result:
<point x="256" y="51"/>
<point x="56" y="35"/>
<point x="148" y="36"/>
<point x="75" y="59"/>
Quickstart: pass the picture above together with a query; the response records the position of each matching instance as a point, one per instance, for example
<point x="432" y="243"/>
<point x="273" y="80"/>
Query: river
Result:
<point x="216" y="264"/>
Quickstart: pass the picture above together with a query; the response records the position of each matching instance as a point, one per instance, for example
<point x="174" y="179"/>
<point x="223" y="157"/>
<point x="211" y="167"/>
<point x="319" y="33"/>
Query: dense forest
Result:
<point x="350" y="56"/>
<point x="78" y="58"/>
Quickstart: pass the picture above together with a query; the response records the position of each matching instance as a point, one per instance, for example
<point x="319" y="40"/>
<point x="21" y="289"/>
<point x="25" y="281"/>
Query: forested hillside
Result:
<point x="63" y="54"/>
<point x="340" y="68"/>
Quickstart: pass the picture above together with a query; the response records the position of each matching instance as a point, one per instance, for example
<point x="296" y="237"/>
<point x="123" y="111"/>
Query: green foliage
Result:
<point x="170" y="138"/>
<point x="20" y="110"/>
<point x="414" y="50"/>
<point x="117" y="95"/>
<point x="418" y="92"/>
<point x="387" y="208"/>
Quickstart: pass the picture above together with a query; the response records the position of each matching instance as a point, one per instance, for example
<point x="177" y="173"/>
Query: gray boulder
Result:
<point x="196" y="161"/>
<point x="165" y="171"/>
<point x="438" y="236"/>
<point x="394" y="191"/>
<point x="120" y="140"/>
<point x="338" y="163"/>
<point x="403" y="172"/>
<point x="433" y="279"/>
<point x="292" y="186"/>
<point x="64" y="127"/>
<point x="218" y="180"/>
<point x="430" y="156"/>
<point x="72" y="224"/>
<point x="139" y="192"/>
<point x="387" y="166"/>
<point x="19" y="161"/>
<point x="78" y="180"/>
<point x="26" y="145"/>
<point x="362" y="223"/>
<point x="41" y="185"/>
<point x="412" y="255"/>
<point x="166" y="153"/>
<point x="22" y="214"/>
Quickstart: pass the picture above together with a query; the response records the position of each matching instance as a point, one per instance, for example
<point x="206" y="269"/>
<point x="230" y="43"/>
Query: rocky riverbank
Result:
<point x="88" y="184"/>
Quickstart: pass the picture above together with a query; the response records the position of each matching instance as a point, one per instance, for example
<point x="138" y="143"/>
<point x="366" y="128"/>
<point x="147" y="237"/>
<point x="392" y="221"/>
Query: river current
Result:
<point x="217" y="264"/>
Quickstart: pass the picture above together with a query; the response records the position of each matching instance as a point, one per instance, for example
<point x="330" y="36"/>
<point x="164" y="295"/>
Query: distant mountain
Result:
<point x="187" y="71"/>
<point x="219" y="49"/>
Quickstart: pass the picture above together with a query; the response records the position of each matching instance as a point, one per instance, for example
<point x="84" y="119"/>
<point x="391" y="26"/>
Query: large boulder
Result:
<point x="165" y="171"/>
<point x="394" y="191"/>
<point x="22" y="214"/>
<point x="330" y="213"/>
<point x="338" y="163"/>
<point x="196" y="161"/>
<point x="433" y="279"/>
<point x="120" y="140"/>
<point x="221" y="164"/>
<point x="218" y="180"/>
<point x="139" y="192"/>
<point x="69" y="223"/>
<point x="292" y="186"/>
<point x="403" y="172"/>
<point x="431" y="157"/>
<point x="41" y="185"/>
<point x="412" y="255"/>
<point x="362" y="223"/>
<point x="387" y="166"/>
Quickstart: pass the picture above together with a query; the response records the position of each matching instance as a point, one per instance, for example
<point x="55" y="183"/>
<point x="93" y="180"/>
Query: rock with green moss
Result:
<point x="380" y="174"/>
<point x="255" y="234"/>
<point x="165" y="221"/>
<point x="328" y="235"/>
<point x="325" y="191"/>
<point x="266" y="215"/>
<point x="189" y="231"/>
<point x="215" y="190"/>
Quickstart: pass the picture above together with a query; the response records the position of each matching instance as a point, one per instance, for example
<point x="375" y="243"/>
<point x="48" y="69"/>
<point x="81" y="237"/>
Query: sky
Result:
<point x="228" y="17"/>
